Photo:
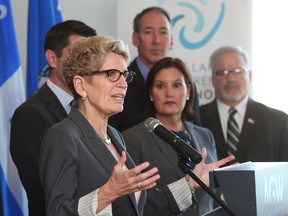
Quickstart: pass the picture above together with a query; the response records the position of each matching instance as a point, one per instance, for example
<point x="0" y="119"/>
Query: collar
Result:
<point x="142" y="67"/>
<point x="241" y="107"/>
<point x="64" y="97"/>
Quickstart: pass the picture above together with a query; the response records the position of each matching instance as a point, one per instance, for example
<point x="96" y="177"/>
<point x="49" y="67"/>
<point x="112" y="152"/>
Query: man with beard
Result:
<point x="253" y="131"/>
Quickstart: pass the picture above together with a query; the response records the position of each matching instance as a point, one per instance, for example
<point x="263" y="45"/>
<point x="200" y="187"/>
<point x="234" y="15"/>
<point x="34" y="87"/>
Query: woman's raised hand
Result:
<point x="202" y="169"/>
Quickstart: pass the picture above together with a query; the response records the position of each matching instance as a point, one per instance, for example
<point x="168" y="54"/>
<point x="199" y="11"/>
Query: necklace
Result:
<point x="107" y="140"/>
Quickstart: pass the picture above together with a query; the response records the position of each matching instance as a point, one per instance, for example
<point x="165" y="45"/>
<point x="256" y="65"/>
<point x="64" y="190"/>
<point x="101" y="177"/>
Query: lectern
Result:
<point x="253" y="188"/>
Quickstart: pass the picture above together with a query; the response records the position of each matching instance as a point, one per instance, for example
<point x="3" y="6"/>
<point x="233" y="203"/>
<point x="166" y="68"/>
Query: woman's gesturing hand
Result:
<point x="202" y="169"/>
<point x="128" y="181"/>
<point x="124" y="181"/>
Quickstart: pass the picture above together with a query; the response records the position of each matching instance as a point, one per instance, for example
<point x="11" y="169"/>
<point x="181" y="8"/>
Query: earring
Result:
<point x="84" y="96"/>
<point x="151" y="99"/>
<point x="187" y="98"/>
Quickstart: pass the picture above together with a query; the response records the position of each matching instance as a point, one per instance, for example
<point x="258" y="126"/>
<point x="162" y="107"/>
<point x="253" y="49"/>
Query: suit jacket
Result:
<point x="145" y="146"/>
<point x="136" y="101"/>
<point x="74" y="162"/>
<point x="264" y="135"/>
<point x="29" y="124"/>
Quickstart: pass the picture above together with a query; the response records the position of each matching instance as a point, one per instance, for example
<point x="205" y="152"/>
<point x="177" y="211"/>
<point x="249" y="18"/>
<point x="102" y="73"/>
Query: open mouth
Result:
<point x="118" y="96"/>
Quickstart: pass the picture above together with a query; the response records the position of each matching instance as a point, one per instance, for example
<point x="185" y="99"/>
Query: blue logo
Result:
<point x="198" y="28"/>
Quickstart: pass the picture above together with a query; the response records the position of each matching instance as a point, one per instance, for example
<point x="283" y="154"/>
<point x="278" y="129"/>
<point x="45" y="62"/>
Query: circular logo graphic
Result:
<point x="185" y="39"/>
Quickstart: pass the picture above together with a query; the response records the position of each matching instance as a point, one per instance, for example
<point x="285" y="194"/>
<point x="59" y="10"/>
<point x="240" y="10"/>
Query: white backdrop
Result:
<point x="269" y="34"/>
<point x="206" y="25"/>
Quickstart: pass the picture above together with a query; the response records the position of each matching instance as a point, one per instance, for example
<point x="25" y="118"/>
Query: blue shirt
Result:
<point x="143" y="68"/>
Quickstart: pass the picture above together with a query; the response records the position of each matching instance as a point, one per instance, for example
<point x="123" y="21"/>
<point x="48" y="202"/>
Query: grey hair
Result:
<point x="227" y="49"/>
<point x="89" y="54"/>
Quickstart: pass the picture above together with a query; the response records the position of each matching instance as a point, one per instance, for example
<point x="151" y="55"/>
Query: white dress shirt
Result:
<point x="223" y="111"/>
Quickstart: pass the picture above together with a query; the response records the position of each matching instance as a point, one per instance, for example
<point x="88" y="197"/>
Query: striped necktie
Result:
<point x="232" y="132"/>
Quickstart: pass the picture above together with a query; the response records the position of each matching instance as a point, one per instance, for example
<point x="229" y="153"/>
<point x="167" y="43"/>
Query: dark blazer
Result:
<point x="145" y="146"/>
<point x="29" y="124"/>
<point x="74" y="162"/>
<point x="136" y="101"/>
<point x="264" y="135"/>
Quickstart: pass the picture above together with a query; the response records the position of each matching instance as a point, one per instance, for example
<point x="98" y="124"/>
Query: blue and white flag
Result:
<point x="13" y="199"/>
<point x="43" y="14"/>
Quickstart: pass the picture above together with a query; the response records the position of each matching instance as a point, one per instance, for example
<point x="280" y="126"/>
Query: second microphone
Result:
<point x="154" y="126"/>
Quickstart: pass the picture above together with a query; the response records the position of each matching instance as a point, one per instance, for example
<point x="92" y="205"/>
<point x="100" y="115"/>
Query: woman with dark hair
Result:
<point x="171" y="91"/>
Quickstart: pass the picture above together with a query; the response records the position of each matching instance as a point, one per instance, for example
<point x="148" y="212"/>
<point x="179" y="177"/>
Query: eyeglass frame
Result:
<point x="128" y="72"/>
<point x="225" y="73"/>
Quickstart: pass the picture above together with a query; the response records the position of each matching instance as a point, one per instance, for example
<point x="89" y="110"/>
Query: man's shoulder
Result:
<point x="34" y="101"/>
<point x="38" y="101"/>
<point x="134" y="66"/>
<point x="135" y="130"/>
<point x="208" y="106"/>
<point x="265" y="110"/>
<point x="37" y="98"/>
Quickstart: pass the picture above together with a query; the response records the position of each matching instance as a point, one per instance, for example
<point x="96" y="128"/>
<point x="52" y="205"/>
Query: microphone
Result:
<point x="154" y="126"/>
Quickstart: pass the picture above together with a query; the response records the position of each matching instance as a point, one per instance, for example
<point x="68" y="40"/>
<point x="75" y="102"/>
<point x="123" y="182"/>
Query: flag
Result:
<point x="13" y="199"/>
<point x="43" y="14"/>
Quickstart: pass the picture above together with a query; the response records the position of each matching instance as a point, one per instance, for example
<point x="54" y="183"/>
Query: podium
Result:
<point x="253" y="188"/>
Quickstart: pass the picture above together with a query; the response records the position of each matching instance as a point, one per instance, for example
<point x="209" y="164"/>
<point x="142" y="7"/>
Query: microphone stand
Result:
<point x="187" y="169"/>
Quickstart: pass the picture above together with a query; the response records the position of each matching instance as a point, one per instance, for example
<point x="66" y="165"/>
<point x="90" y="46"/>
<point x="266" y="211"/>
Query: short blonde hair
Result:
<point x="89" y="54"/>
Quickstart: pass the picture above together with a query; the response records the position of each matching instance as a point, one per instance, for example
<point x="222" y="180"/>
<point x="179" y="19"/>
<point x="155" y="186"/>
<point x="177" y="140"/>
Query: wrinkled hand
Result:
<point x="125" y="182"/>
<point x="202" y="169"/>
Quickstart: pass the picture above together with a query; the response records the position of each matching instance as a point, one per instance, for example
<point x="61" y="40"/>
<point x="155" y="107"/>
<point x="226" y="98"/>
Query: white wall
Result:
<point x="270" y="45"/>
<point x="99" y="14"/>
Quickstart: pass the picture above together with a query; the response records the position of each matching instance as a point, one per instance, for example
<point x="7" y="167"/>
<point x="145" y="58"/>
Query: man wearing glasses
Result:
<point x="241" y="126"/>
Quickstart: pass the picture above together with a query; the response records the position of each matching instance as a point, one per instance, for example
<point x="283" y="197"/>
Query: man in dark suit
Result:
<point x="44" y="109"/>
<point x="263" y="130"/>
<point x="153" y="38"/>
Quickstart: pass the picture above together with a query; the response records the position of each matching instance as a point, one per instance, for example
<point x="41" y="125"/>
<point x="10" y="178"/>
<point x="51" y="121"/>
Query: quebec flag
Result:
<point x="43" y="14"/>
<point x="13" y="199"/>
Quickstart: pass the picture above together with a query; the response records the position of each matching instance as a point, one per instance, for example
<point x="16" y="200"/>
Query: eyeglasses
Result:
<point x="224" y="73"/>
<point x="114" y="74"/>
